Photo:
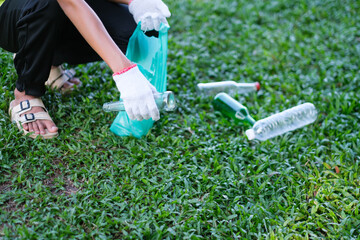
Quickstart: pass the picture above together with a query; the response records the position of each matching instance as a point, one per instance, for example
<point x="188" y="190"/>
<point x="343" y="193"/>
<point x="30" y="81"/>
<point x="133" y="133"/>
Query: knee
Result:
<point x="122" y="34"/>
<point x="49" y="11"/>
<point x="52" y="11"/>
<point x="43" y="10"/>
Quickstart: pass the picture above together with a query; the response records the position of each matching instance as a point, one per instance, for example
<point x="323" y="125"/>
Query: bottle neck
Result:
<point x="250" y="120"/>
<point x="243" y="115"/>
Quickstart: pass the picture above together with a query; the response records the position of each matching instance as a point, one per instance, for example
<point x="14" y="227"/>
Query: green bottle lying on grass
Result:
<point x="231" y="108"/>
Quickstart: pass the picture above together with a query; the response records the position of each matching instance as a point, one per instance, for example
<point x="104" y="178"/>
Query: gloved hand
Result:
<point x="151" y="13"/>
<point x="137" y="94"/>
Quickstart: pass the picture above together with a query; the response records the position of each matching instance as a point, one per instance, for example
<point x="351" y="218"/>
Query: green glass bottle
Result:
<point x="229" y="107"/>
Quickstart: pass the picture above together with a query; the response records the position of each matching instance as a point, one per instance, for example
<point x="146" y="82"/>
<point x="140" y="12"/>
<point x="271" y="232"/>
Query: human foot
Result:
<point x="63" y="79"/>
<point x="30" y="112"/>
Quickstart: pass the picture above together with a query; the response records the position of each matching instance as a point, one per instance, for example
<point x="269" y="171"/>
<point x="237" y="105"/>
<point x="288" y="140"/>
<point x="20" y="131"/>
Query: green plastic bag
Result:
<point x="150" y="54"/>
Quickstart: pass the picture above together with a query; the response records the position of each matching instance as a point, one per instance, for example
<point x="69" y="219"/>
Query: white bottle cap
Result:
<point x="250" y="134"/>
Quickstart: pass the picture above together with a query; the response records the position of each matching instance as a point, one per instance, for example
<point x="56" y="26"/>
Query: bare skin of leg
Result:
<point x="38" y="126"/>
<point x="70" y="84"/>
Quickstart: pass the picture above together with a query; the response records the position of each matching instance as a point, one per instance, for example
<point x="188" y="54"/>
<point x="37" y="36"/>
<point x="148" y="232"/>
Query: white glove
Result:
<point x="137" y="94"/>
<point x="151" y="13"/>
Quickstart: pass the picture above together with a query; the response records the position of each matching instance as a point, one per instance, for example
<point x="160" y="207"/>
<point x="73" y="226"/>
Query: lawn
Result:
<point x="195" y="175"/>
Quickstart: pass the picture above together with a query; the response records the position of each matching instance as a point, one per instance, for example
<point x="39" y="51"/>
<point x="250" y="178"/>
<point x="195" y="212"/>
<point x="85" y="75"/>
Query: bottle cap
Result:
<point x="250" y="134"/>
<point x="257" y="85"/>
<point x="199" y="88"/>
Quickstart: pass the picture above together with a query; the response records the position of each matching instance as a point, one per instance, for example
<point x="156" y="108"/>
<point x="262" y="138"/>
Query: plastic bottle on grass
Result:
<point x="232" y="108"/>
<point x="283" y="122"/>
<point x="164" y="101"/>
<point x="229" y="87"/>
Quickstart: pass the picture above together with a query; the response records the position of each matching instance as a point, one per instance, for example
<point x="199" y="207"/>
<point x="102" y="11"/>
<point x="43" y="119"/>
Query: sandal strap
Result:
<point x="32" y="117"/>
<point x="58" y="77"/>
<point x="26" y="106"/>
<point x="70" y="73"/>
<point x="55" y="73"/>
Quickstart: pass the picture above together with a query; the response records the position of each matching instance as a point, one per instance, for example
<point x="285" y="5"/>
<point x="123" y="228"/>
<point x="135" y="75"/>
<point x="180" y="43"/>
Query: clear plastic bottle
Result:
<point x="165" y="101"/>
<point x="229" y="87"/>
<point x="232" y="108"/>
<point x="283" y="122"/>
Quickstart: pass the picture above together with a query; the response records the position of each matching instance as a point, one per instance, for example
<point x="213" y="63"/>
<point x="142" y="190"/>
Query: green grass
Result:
<point x="195" y="175"/>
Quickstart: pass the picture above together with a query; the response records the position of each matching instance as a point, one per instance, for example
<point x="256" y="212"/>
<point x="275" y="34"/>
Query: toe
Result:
<point x="68" y="85"/>
<point x="41" y="128"/>
<point x="75" y="81"/>
<point x="36" y="127"/>
<point x="30" y="129"/>
<point x="50" y="126"/>
<point x="26" y="126"/>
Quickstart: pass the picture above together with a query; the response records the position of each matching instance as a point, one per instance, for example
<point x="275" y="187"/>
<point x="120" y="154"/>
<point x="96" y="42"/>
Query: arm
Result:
<point x="135" y="89"/>
<point x="94" y="32"/>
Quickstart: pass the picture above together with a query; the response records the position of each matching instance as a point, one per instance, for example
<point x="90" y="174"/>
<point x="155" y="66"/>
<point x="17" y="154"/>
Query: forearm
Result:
<point x="91" y="28"/>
